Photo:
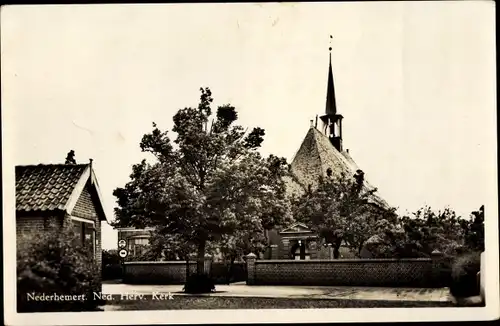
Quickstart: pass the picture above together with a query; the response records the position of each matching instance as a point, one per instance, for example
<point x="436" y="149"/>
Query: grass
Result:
<point x="213" y="302"/>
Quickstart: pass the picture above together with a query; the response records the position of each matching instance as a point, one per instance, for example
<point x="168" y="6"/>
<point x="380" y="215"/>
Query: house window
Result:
<point x="137" y="246"/>
<point x="85" y="235"/>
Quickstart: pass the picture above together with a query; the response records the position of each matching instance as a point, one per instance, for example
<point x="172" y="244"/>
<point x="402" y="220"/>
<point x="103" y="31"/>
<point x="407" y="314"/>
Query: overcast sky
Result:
<point x="415" y="82"/>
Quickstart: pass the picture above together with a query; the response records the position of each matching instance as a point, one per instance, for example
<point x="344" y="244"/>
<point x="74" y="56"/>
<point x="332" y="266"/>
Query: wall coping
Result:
<point x="171" y="262"/>
<point x="340" y="261"/>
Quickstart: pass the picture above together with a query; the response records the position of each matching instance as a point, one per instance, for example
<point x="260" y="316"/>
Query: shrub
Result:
<point x="111" y="265"/>
<point x="199" y="283"/>
<point x="464" y="275"/>
<point x="51" y="263"/>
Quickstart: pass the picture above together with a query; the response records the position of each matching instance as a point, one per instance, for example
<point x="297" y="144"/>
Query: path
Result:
<point x="283" y="291"/>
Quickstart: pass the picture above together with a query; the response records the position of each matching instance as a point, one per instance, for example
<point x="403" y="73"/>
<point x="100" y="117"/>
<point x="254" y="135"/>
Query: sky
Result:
<point x="415" y="82"/>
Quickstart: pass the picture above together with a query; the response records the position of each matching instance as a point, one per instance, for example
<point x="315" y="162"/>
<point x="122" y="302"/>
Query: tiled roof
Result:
<point x="315" y="156"/>
<point x="46" y="187"/>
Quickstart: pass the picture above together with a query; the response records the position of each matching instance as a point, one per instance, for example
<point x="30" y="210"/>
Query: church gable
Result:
<point x="331" y="158"/>
<point x="297" y="228"/>
<point x="316" y="158"/>
<point x="306" y="165"/>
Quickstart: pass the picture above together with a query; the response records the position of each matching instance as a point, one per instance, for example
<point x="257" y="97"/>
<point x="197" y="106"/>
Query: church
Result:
<point x="321" y="154"/>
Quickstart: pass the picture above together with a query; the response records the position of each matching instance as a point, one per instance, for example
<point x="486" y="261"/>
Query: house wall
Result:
<point x="27" y="225"/>
<point x="85" y="209"/>
<point x="344" y="272"/>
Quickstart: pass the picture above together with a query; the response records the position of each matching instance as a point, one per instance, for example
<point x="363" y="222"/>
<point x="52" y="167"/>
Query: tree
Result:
<point x="339" y="210"/>
<point x="474" y="230"/>
<point x="206" y="185"/>
<point x="426" y="230"/>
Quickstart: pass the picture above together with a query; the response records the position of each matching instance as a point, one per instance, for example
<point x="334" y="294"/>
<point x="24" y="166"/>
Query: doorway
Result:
<point x="298" y="250"/>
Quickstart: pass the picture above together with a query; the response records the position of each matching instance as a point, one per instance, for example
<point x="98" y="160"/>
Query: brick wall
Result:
<point x="27" y="225"/>
<point x="85" y="208"/>
<point x="154" y="272"/>
<point x="343" y="272"/>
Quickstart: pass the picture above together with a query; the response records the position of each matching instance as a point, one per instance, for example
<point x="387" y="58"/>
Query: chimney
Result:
<point x="312" y="121"/>
<point x="90" y="165"/>
<point x="347" y="150"/>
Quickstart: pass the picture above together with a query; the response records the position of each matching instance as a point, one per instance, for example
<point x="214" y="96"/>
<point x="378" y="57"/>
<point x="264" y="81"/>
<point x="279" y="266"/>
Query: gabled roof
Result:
<point x="297" y="228"/>
<point x="313" y="159"/>
<point x="53" y="187"/>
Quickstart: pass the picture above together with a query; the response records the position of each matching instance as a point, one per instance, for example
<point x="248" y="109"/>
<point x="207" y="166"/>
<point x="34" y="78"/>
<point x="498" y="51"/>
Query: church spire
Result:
<point x="331" y="105"/>
<point x="332" y="121"/>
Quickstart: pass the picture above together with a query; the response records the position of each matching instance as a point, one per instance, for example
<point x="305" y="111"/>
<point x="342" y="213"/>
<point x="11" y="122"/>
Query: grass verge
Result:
<point x="218" y="302"/>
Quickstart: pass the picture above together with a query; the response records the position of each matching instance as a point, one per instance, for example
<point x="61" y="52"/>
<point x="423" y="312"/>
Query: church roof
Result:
<point x="313" y="159"/>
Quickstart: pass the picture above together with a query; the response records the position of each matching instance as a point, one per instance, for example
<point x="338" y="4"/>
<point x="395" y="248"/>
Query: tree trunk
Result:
<point x="231" y="269"/>
<point x="200" y="263"/>
<point x="360" y="248"/>
<point x="187" y="267"/>
<point x="336" y="247"/>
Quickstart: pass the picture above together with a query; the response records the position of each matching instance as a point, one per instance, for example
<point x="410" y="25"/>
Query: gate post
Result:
<point x="274" y="251"/>
<point x="437" y="261"/>
<point x="207" y="264"/>
<point x="251" y="258"/>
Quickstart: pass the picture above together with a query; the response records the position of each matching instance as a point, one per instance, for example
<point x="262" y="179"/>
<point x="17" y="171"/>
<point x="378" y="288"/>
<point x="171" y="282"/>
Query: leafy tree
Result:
<point x="474" y="231"/>
<point x="207" y="184"/>
<point x="339" y="210"/>
<point x="427" y="230"/>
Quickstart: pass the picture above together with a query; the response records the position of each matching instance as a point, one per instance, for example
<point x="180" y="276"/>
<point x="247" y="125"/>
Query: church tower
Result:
<point x="331" y="121"/>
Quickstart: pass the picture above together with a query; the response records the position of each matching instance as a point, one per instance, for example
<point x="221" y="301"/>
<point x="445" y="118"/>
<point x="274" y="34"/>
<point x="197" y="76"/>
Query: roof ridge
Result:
<point x="54" y="164"/>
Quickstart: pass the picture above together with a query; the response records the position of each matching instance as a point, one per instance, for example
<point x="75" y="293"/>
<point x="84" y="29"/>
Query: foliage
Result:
<point x="464" y="275"/>
<point x="51" y="262"/>
<point x="426" y="230"/>
<point x="339" y="210"/>
<point x="142" y="253"/>
<point x="474" y="231"/>
<point x="209" y="183"/>
<point x="111" y="265"/>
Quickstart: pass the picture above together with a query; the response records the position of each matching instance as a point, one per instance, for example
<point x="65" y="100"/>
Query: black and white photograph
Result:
<point x="249" y="162"/>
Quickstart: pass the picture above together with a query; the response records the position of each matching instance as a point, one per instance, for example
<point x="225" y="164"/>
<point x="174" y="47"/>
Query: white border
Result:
<point x="491" y="311"/>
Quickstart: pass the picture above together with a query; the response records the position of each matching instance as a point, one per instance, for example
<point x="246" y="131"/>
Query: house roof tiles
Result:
<point x="46" y="187"/>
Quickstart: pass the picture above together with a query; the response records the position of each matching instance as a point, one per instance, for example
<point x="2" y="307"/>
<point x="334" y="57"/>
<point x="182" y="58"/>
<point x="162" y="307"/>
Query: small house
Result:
<point x="49" y="194"/>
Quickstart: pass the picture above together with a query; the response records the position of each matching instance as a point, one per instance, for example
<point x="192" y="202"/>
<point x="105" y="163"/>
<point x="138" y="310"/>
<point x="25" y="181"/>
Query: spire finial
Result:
<point x="331" y="107"/>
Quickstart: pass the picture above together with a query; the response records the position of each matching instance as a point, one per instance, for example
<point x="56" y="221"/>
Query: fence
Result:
<point x="419" y="272"/>
<point x="157" y="272"/>
<point x="174" y="272"/>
